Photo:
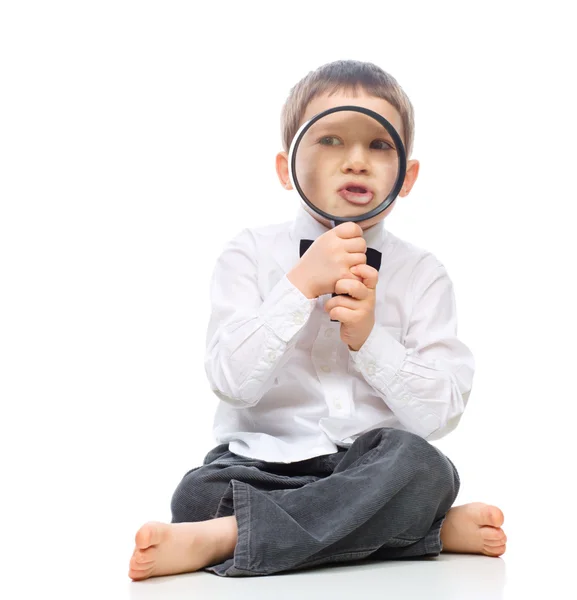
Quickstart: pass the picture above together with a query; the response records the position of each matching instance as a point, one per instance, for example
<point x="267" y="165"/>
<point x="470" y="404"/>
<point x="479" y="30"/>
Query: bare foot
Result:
<point x="170" y="548"/>
<point x="474" y="528"/>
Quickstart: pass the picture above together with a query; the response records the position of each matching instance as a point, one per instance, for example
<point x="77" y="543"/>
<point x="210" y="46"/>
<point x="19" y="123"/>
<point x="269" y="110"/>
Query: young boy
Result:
<point x="323" y="426"/>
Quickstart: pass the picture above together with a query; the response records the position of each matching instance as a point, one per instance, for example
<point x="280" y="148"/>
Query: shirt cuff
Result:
<point x="286" y="309"/>
<point x="380" y="358"/>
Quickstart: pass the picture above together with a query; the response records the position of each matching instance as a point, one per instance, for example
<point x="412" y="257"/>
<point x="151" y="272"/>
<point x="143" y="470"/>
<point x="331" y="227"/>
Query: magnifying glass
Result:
<point x="347" y="163"/>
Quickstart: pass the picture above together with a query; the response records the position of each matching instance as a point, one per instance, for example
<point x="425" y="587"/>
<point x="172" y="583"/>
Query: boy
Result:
<point x="323" y="426"/>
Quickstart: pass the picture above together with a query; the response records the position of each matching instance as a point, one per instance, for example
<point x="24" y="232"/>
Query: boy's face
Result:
<point x="322" y="169"/>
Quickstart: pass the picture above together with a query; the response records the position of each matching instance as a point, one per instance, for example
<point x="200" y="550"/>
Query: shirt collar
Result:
<point x="305" y="226"/>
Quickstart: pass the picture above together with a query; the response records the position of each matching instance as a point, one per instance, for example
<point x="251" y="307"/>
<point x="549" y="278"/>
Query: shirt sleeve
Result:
<point x="249" y="338"/>
<point x="426" y="381"/>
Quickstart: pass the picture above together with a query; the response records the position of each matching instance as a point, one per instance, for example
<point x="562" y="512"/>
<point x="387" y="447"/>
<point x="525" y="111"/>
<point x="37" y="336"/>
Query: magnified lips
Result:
<point x="356" y="193"/>
<point x="357" y="188"/>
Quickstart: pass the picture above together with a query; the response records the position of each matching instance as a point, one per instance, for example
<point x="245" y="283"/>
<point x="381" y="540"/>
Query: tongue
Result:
<point x="355" y="197"/>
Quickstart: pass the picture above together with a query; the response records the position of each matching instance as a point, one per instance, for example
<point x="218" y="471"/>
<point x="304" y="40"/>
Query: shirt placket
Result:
<point x="325" y="358"/>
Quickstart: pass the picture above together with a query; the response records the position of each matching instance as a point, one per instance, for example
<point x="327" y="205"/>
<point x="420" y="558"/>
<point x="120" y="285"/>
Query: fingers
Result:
<point x="369" y="275"/>
<point x="348" y="230"/>
<point x="342" y="301"/>
<point x="353" y="288"/>
<point x="352" y="295"/>
<point x="348" y="275"/>
<point x="356" y="258"/>
<point x="356" y="244"/>
<point x="343" y="314"/>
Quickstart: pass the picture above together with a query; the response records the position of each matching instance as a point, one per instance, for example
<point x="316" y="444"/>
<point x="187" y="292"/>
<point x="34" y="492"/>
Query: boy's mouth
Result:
<point x="356" y="193"/>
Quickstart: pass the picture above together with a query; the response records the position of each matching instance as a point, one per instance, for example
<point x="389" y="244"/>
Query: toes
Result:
<point x="494" y="543"/>
<point x="139" y="570"/>
<point x="493" y="516"/>
<point x="143" y="536"/>
<point x="140" y="564"/>
<point x="139" y="574"/>
<point x="495" y="550"/>
<point x="485" y="514"/>
<point x="148" y="535"/>
<point x="494" y="540"/>
<point x="145" y="557"/>
<point x="492" y="534"/>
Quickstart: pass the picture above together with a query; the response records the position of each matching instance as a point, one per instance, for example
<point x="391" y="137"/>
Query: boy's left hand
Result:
<point x="356" y="312"/>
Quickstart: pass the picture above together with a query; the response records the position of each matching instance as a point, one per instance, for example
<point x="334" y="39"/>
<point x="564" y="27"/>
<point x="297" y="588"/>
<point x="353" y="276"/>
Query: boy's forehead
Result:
<point x="341" y="98"/>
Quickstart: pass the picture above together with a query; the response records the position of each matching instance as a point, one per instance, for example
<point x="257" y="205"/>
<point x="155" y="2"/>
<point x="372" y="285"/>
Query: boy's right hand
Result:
<point x="329" y="259"/>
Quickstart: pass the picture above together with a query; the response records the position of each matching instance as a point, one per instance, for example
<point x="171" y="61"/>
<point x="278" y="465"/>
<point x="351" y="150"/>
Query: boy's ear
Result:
<point x="410" y="177"/>
<point x="282" y="170"/>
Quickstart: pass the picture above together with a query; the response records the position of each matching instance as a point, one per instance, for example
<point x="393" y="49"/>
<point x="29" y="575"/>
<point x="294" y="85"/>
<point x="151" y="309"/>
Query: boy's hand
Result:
<point x="356" y="312"/>
<point x="329" y="259"/>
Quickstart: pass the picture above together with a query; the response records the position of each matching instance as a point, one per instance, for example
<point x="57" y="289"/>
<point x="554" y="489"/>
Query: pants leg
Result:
<point x="204" y="492"/>
<point x="386" y="497"/>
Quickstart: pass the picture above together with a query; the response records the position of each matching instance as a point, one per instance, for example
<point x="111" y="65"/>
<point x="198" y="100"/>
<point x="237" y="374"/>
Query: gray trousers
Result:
<point x="384" y="497"/>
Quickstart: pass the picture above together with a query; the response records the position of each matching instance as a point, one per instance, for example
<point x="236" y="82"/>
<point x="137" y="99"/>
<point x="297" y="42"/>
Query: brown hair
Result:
<point x="346" y="75"/>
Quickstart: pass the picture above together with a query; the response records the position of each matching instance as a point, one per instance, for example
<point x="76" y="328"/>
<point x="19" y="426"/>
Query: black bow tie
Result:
<point x="373" y="256"/>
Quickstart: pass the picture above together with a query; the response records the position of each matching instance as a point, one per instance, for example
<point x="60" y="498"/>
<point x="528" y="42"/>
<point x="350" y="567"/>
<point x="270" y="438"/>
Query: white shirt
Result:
<point x="290" y="388"/>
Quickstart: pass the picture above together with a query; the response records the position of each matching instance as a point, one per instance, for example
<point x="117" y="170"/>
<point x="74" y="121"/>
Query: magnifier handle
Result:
<point x="337" y="222"/>
<point x="336" y="320"/>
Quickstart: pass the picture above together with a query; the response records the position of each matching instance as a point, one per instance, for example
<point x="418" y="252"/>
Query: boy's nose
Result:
<point x="355" y="167"/>
<point x="356" y="162"/>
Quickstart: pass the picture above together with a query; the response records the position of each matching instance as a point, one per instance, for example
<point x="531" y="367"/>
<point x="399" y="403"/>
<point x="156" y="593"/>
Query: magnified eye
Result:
<point x="381" y="145"/>
<point x="329" y="140"/>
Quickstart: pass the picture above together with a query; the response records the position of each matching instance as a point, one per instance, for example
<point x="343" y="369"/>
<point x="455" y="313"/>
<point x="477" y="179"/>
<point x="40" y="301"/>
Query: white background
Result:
<point x="136" y="138"/>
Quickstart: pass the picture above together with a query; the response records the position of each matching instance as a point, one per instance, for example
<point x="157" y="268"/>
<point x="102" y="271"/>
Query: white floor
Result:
<point x="444" y="578"/>
<point x="99" y="570"/>
<point x="447" y="577"/>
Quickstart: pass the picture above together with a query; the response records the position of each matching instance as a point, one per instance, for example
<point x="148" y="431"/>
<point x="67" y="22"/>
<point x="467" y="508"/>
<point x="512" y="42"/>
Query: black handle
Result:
<point x="336" y="320"/>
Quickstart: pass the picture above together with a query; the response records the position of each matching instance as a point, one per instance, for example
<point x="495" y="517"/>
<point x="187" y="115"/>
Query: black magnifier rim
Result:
<point x="400" y="174"/>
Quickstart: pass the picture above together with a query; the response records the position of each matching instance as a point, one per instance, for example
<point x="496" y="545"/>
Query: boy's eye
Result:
<point x="381" y="145"/>
<point x="329" y="140"/>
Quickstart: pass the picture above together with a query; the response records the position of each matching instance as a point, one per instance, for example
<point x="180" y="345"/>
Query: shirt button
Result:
<point x="329" y="333"/>
<point x="298" y="318"/>
<point x="272" y="355"/>
<point x="338" y="404"/>
<point x="326" y="369"/>
<point x="371" y="370"/>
